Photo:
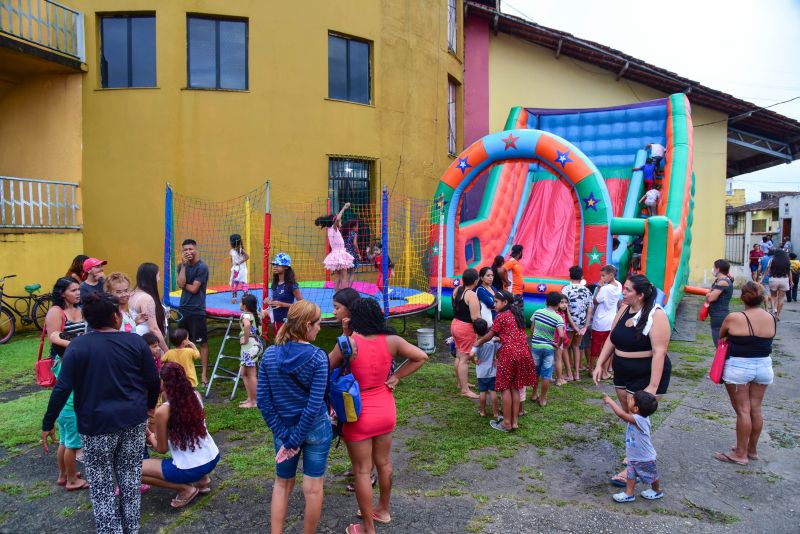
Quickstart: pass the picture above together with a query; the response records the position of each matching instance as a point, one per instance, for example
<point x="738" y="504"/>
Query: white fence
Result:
<point x="38" y="204"/>
<point x="45" y="23"/>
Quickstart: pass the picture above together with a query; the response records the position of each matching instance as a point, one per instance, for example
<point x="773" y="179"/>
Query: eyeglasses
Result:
<point x="120" y="292"/>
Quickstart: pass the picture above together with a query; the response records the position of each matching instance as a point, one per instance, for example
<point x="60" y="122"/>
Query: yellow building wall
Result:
<point x="220" y="144"/>
<point x="40" y="137"/>
<point x="772" y="218"/>
<point x="523" y="74"/>
<point x="736" y="199"/>
<point x="37" y="258"/>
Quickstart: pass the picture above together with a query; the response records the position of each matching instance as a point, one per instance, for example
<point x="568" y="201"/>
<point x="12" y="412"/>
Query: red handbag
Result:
<point x="704" y="311"/>
<point x="717" y="366"/>
<point x="44" y="367"/>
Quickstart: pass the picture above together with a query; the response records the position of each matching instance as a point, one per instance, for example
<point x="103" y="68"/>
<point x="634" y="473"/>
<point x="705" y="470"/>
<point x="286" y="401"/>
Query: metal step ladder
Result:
<point x="223" y="373"/>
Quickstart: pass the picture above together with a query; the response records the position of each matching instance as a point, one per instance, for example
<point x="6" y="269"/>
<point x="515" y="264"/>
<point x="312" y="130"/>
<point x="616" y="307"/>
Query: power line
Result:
<point x="749" y="113"/>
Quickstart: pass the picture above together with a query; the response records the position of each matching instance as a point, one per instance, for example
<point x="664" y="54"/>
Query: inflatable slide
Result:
<point x="561" y="183"/>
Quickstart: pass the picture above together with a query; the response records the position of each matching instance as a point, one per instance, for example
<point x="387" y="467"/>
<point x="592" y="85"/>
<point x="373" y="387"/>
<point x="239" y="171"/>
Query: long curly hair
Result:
<point x="186" y="425"/>
<point x="367" y="319"/>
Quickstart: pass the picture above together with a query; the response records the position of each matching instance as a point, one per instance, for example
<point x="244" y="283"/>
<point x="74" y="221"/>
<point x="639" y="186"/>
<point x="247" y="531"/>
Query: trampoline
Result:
<point x="403" y="301"/>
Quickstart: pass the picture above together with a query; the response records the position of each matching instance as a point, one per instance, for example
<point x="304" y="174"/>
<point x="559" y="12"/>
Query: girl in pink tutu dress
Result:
<point x="339" y="260"/>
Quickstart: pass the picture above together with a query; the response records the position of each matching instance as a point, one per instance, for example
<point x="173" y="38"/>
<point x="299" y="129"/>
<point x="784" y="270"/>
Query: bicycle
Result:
<point x="30" y="309"/>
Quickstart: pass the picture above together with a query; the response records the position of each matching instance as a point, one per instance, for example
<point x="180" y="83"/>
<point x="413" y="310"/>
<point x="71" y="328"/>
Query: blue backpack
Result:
<point x="344" y="393"/>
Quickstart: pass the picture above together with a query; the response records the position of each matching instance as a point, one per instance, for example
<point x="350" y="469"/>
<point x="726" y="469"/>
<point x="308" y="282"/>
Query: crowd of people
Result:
<point x="142" y="394"/>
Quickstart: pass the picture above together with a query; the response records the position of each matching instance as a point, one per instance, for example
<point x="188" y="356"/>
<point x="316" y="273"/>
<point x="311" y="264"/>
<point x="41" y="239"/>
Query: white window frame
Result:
<point x="452" y="26"/>
<point x="452" y="95"/>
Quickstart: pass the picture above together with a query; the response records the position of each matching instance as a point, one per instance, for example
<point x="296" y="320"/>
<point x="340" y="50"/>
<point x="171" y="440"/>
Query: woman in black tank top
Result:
<point x="466" y="309"/>
<point x="747" y="371"/>
<point x="780" y="282"/>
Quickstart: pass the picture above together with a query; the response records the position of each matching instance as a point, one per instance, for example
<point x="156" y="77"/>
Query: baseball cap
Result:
<point x="92" y="262"/>
<point x="282" y="259"/>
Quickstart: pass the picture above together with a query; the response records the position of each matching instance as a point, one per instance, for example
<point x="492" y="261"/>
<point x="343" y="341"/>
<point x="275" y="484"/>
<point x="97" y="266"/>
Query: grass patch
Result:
<point x="39" y="490"/>
<point x="68" y="511"/>
<point x="18" y="355"/>
<point x="691" y="358"/>
<point x="709" y="514"/>
<point x="11" y="489"/>
<point x="21" y="419"/>
<point x="478" y="524"/>
<point x="685" y="347"/>
<point x="446" y="436"/>
<point x="689" y="373"/>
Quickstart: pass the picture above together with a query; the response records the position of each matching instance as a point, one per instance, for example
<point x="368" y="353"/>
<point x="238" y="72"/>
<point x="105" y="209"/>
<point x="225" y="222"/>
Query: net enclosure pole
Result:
<point x="385" y="249"/>
<point x="247" y="214"/>
<point x="440" y="203"/>
<point x="168" y="229"/>
<point x="267" y="228"/>
<point x="407" y="274"/>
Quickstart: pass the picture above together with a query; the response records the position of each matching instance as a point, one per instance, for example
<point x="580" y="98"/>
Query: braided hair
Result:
<point x="642" y="286"/>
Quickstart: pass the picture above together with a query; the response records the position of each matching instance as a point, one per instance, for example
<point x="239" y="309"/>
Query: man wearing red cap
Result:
<point x="94" y="277"/>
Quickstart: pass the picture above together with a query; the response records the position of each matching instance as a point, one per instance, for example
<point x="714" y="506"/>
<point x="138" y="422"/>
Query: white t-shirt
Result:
<point x="657" y="151"/>
<point x="205" y="451"/>
<point x="652" y="196"/>
<point x="606" y="309"/>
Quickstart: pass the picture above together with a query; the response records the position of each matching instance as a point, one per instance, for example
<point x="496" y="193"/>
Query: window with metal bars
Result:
<point x="452" y="26"/>
<point x="452" y="93"/>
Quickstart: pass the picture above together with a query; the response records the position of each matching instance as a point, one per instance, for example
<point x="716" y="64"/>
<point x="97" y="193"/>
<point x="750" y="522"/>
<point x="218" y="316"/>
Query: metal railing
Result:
<point x="38" y="204"/>
<point x="45" y="23"/>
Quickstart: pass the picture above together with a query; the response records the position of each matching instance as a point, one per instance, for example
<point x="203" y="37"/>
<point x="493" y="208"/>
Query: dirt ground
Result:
<point x="535" y="490"/>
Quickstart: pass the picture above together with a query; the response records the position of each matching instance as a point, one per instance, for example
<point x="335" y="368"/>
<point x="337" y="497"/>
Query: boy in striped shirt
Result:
<point x="544" y="325"/>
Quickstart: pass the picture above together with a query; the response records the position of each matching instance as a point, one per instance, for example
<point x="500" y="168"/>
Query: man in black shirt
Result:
<point x="193" y="280"/>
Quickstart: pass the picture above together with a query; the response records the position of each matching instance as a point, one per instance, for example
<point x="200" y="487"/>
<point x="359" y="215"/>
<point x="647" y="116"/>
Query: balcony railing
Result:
<point x="45" y="23"/>
<point x="38" y="204"/>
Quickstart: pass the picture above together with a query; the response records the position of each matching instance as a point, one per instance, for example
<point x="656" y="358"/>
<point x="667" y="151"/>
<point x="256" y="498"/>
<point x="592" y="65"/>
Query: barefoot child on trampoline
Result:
<point x="338" y="261"/>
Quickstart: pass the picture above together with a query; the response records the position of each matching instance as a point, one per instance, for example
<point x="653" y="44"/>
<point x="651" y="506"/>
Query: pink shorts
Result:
<point x="463" y="335"/>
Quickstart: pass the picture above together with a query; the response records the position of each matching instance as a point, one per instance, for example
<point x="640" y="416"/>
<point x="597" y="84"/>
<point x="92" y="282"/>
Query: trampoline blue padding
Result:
<point x="402" y="300"/>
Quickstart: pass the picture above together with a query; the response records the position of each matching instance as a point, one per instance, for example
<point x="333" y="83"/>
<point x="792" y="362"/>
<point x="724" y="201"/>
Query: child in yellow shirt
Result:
<point x="184" y="354"/>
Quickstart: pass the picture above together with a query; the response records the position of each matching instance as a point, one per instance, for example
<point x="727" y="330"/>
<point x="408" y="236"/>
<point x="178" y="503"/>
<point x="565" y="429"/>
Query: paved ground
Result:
<point x="551" y="490"/>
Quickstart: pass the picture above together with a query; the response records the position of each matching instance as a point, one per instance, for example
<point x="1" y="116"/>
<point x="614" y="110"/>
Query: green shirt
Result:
<point x="56" y="370"/>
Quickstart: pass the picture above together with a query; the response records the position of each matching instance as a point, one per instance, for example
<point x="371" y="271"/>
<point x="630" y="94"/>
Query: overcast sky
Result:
<point x="745" y="48"/>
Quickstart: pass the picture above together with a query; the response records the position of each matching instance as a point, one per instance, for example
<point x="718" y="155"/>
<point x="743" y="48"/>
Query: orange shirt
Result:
<point x="517" y="281"/>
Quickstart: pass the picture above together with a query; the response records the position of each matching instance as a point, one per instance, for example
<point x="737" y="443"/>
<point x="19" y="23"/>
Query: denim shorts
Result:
<point x="175" y="475"/>
<point x="745" y="370"/>
<point x="68" y="429"/>
<point x="486" y="384"/>
<point x="544" y="358"/>
<point x="314" y="451"/>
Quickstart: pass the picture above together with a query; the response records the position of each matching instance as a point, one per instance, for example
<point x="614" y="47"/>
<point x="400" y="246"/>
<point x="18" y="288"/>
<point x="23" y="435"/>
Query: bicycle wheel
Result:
<point x="7" y="325"/>
<point x="40" y="310"/>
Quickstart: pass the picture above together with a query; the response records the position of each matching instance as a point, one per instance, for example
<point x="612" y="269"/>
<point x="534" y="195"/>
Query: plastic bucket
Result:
<point x="425" y="340"/>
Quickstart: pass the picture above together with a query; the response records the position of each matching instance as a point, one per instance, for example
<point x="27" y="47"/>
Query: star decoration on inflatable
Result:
<point x="591" y="202"/>
<point x="563" y="158"/>
<point x="541" y="288"/>
<point x="463" y="165"/>
<point x="456" y="282"/>
<point x="594" y="256"/>
<point x="435" y="249"/>
<point x="510" y="141"/>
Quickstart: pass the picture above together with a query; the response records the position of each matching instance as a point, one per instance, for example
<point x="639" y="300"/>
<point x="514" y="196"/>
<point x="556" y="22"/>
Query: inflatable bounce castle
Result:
<point x="561" y="183"/>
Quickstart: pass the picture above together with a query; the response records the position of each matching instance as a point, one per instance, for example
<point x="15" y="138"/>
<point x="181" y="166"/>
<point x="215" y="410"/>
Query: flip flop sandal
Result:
<point x="724" y="458"/>
<point x="205" y="491"/>
<point x="64" y="482"/>
<point x="376" y="518"/>
<point x="83" y="486"/>
<point x="621" y="483"/>
<point x="182" y="503"/>
<point x="353" y="529"/>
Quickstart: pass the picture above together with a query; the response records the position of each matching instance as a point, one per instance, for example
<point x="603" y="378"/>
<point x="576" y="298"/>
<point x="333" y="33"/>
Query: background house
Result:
<point x="747" y="224"/>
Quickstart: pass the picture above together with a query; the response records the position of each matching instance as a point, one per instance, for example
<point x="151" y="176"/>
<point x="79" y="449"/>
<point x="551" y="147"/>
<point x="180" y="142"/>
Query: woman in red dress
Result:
<point x="369" y="440"/>
<point x="515" y="366"/>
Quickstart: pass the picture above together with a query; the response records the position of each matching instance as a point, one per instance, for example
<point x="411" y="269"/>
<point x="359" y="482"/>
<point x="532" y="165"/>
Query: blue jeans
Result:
<point x="544" y="359"/>
<point x="314" y="451"/>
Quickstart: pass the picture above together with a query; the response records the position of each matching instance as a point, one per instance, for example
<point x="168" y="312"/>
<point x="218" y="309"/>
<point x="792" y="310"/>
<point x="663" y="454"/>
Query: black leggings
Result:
<point x="633" y="374"/>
